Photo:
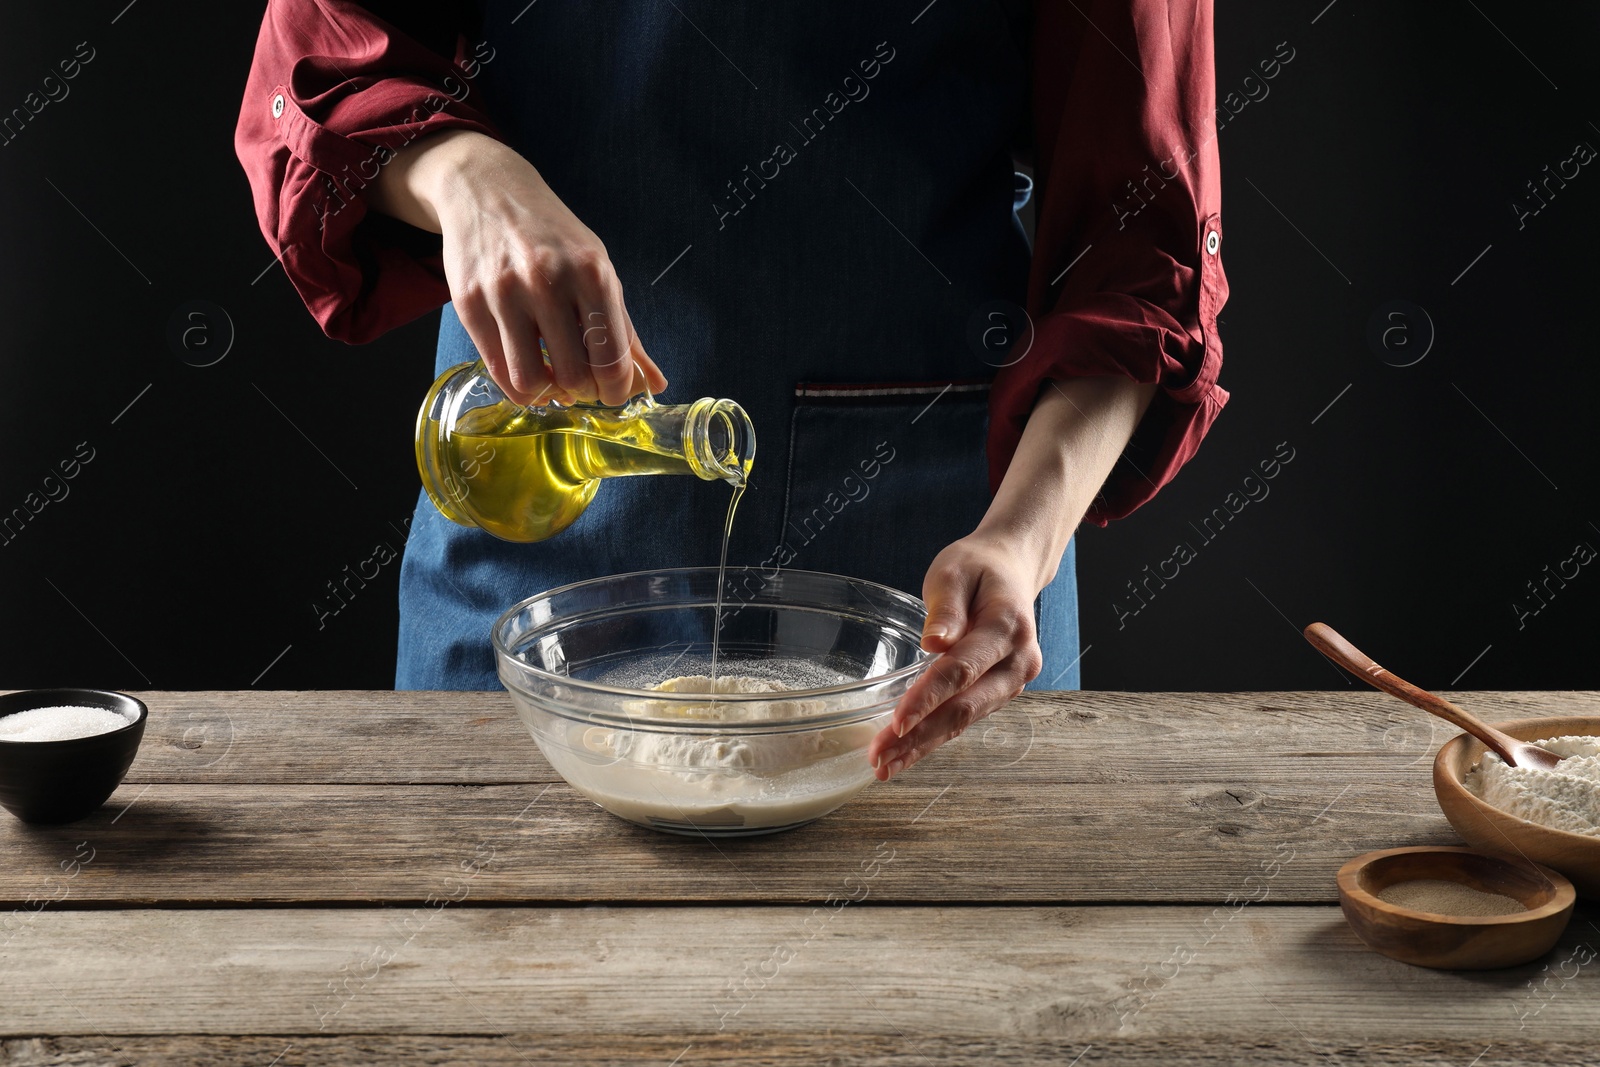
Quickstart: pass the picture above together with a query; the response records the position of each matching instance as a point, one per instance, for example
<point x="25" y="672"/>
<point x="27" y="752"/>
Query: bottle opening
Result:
<point x="734" y="439"/>
<point x="723" y="441"/>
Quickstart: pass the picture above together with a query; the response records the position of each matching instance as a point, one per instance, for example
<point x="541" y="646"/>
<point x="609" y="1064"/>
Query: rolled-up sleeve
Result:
<point x="334" y="90"/>
<point x="1127" y="272"/>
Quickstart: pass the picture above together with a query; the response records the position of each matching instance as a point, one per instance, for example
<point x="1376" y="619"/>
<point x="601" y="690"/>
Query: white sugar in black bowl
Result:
<point x="63" y="780"/>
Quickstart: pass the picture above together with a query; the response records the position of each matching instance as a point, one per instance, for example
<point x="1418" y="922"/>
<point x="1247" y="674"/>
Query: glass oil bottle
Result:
<point x="527" y="473"/>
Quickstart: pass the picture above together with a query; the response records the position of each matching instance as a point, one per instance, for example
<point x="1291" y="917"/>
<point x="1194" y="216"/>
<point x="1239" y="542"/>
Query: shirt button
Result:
<point x="277" y="105"/>
<point x="1213" y="242"/>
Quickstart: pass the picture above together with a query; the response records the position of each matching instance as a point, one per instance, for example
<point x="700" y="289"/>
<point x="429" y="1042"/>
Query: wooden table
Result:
<point x="321" y="878"/>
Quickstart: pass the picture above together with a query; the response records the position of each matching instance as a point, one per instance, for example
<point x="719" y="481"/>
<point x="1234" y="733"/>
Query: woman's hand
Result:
<point x="980" y="594"/>
<point x="980" y="590"/>
<point x="521" y="267"/>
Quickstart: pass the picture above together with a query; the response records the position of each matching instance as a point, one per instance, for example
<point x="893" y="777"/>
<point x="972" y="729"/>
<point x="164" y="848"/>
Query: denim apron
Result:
<point x="809" y="206"/>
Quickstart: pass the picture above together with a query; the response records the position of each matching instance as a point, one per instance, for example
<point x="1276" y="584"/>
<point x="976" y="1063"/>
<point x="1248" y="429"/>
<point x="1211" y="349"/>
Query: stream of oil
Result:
<point x="722" y="573"/>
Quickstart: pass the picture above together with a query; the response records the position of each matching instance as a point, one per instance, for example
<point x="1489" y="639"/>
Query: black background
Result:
<point x="1383" y="161"/>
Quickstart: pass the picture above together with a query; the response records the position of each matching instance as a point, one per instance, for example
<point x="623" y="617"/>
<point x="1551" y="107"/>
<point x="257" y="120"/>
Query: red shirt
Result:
<point x="1126" y="278"/>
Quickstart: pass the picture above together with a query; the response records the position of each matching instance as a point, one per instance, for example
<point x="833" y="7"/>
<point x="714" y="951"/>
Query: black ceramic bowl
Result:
<point x="59" y="781"/>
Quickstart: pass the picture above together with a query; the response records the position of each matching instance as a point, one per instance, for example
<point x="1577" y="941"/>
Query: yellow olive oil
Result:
<point x="526" y="480"/>
<point x="527" y="473"/>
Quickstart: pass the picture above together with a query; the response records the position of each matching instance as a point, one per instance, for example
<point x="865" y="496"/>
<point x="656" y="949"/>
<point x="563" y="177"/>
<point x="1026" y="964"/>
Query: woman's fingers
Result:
<point x="586" y="330"/>
<point x="556" y="322"/>
<point x="607" y="336"/>
<point x="948" y="590"/>
<point x="481" y="326"/>
<point x="525" y="367"/>
<point x="981" y="614"/>
<point x="653" y="377"/>
<point x="992" y="635"/>
<point x="950" y="719"/>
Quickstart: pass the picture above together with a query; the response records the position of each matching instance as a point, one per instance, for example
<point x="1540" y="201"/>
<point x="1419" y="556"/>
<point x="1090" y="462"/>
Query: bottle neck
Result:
<point x="711" y="439"/>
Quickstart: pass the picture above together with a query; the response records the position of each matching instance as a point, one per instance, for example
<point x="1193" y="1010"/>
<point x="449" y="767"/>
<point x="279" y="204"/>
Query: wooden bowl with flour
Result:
<point x="1484" y="826"/>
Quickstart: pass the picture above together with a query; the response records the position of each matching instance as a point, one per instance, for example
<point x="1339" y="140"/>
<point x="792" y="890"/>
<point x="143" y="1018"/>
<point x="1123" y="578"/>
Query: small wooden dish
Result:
<point x="1483" y="826"/>
<point x="1455" y="942"/>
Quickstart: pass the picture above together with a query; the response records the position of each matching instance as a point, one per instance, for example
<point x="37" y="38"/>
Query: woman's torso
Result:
<point x="810" y="209"/>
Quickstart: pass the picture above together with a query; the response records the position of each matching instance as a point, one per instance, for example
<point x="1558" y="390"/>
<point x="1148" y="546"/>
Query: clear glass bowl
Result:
<point x="580" y="663"/>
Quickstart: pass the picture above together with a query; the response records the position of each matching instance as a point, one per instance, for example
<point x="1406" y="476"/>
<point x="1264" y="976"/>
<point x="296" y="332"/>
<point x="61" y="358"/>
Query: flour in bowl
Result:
<point x="765" y="754"/>
<point x="1564" y="798"/>
<point x="761" y="776"/>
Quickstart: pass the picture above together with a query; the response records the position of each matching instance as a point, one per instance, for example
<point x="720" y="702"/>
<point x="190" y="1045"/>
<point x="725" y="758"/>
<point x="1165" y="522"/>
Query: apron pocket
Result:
<point x="881" y="476"/>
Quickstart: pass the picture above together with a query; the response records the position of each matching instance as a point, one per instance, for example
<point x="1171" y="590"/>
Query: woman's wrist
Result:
<point x="422" y="180"/>
<point x="1032" y="541"/>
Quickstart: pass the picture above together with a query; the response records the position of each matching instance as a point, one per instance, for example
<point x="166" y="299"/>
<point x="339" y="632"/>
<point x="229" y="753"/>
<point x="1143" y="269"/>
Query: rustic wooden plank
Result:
<point x="827" y="1046"/>
<point x="958" y="841"/>
<point x="360" y="737"/>
<point x="1292" y="977"/>
<point x="336" y="736"/>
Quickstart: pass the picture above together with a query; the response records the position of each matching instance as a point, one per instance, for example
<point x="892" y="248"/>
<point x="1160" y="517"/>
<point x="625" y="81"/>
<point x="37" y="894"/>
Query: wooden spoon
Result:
<point x="1326" y="639"/>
